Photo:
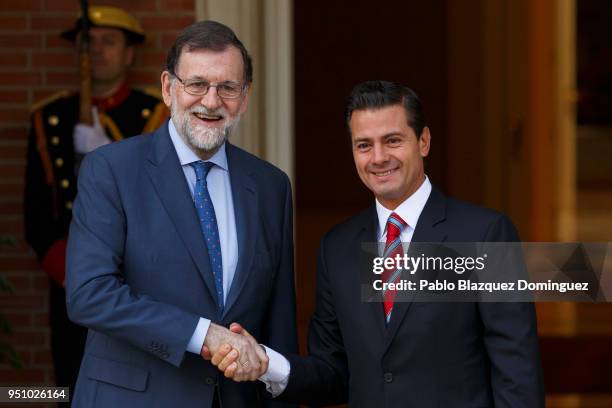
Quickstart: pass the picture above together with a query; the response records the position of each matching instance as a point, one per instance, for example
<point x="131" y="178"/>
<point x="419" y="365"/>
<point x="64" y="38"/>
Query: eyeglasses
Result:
<point x="226" y="90"/>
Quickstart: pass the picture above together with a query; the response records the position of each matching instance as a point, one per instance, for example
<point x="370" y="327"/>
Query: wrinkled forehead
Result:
<point x="212" y="65"/>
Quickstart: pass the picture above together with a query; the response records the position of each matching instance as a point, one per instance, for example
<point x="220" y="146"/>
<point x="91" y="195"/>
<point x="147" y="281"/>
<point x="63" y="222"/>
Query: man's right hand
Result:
<point x="235" y="352"/>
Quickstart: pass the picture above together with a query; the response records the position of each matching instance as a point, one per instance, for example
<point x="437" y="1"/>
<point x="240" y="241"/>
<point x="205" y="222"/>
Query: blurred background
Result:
<point x="518" y="94"/>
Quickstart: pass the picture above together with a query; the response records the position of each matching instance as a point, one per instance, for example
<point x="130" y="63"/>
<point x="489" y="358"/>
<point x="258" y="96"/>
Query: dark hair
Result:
<point x="207" y="35"/>
<point x="381" y="94"/>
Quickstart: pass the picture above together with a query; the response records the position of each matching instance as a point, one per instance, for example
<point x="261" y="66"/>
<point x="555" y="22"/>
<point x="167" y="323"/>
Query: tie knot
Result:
<point x="201" y="169"/>
<point x="395" y="225"/>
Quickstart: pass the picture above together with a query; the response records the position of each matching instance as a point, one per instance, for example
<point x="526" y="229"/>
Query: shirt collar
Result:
<point x="187" y="156"/>
<point x="410" y="210"/>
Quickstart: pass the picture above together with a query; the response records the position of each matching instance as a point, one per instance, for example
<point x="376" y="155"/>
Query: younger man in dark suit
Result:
<point x="403" y="354"/>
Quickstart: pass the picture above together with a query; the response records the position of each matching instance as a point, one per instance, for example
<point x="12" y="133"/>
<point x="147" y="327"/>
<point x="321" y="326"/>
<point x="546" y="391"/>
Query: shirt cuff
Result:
<point x="197" y="338"/>
<point x="277" y="376"/>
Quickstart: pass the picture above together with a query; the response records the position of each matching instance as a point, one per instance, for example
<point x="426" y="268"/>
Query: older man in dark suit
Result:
<point x="175" y="235"/>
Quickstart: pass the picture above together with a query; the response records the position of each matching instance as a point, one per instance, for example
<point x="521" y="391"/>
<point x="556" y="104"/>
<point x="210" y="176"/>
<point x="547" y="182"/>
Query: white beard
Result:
<point x="200" y="136"/>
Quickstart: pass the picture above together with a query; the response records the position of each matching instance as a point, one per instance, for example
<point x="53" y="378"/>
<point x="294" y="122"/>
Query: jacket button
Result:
<point x="388" y="377"/>
<point x="209" y="381"/>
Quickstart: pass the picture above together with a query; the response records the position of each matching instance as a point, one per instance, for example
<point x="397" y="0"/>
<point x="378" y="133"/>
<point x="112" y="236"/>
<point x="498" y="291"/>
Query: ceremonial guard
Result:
<point x="64" y="128"/>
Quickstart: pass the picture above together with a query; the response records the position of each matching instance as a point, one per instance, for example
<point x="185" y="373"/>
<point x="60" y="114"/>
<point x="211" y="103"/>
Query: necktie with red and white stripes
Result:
<point x="393" y="247"/>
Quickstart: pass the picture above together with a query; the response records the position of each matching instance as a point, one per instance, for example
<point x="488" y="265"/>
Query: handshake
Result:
<point x="235" y="352"/>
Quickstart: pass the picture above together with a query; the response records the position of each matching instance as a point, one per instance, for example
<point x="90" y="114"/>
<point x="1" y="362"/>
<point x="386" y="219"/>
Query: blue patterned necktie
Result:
<point x="208" y="224"/>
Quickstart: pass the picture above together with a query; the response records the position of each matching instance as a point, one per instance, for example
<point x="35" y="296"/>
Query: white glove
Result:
<point x="88" y="138"/>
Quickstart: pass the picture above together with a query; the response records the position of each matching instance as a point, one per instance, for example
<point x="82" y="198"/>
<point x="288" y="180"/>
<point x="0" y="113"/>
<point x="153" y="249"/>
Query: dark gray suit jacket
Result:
<point x="441" y="355"/>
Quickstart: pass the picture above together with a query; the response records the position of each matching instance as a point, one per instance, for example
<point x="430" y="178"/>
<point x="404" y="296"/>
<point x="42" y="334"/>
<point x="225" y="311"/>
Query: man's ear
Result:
<point x="166" y="87"/>
<point x="424" y="142"/>
<point x="245" y="99"/>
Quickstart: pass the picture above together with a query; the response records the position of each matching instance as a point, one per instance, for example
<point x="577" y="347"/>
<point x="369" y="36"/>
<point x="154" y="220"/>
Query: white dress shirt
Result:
<point x="220" y="189"/>
<point x="410" y="210"/>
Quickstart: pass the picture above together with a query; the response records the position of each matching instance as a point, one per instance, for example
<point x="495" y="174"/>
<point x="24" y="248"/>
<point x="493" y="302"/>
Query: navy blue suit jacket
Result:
<point x="139" y="278"/>
<point x="431" y="354"/>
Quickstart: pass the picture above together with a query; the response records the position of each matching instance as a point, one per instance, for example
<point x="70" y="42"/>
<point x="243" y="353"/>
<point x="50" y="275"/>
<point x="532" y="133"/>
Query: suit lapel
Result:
<point x="168" y="179"/>
<point x="244" y="193"/>
<point x="430" y="228"/>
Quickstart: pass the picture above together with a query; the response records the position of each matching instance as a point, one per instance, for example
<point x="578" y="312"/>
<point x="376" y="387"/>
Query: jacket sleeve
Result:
<point x="511" y="341"/>
<point x="281" y="331"/>
<point x="322" y="377"/>
<point x="42" y="231"/>
<point x="37" y="201"/>
<point x="97" y="295"/>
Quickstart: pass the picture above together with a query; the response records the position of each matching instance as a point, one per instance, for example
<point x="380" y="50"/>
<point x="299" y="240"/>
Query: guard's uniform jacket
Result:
<point x="50" y="188"/>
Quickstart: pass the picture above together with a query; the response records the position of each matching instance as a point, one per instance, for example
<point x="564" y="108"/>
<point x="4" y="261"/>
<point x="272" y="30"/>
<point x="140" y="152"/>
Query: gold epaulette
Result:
<point x="110" y="126"/>
<point x="154" y="91"/>
<point x="160" y="114"/>
<point x="51" y="98"/>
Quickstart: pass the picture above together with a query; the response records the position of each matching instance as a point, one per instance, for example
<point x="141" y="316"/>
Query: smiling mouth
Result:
<point x="384" y="173"/>
<point x="208" y="118"/>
